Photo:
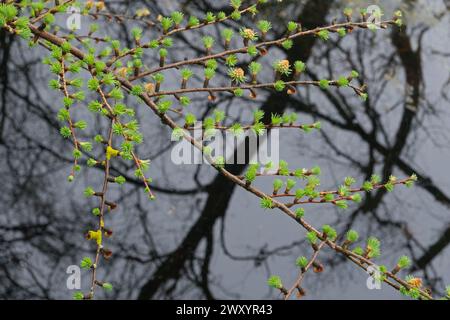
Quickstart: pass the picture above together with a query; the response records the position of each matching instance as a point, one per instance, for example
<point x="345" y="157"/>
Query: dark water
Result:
<point x="204" y="239"/>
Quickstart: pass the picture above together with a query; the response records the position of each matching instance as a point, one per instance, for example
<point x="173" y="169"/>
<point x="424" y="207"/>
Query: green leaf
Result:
<point x="89" y="192"/>
<point x="356" y="198"/>
<point x="342" y="32"/>
<point x="283" y="67"/>
<point x="292" y="26"/>
<point x="342" y="204"/>
<point x="375" y="179"/>
<point x="86" y="263"/>
<point x="250" y="175"/>
<point x="301" y="262"/>
<point x="324" y="35"/>
<point x="254" y="67"/>
<point x="324" y="84"/>
<point x="116" y="94"/>
<point x="267" y="203"/>
<point x="209" y="73"/>
<point x="367" y="186"/>
<point x="275" y="282"/>
<point x="166" y="23"/>
<point x="352" y="236"/>
<point x="208" y="42"/>
<point x="107" y="286"/>
<point x="311" y="237"/>
<point x="164" y="105"/>
<point x="258" y="115"/>
<point x="276" y="119"/>
<point x="330" y="232"/>
<point x="190" y="119"/>
<point x="236" y="129"/>
<point x="193" y="21"/>
<point x="259" y="128"/>
<point x="231" y="60"/>
<point x="177" y="17"/>
<point x="299" y="193"/>
<point x="65" y="132"/>
<point x="299" y="213"/>
<point x="290" y="184"/>
<point x="185" y="101"/>
<point x="277" y="185"/>
<point x="299" y="66"/>
<point x="227" y="34"/>
<point x="80" y="124"/>
<point x="236" y="15"/>
<point x="238" y="92"/>
<point x="220" y="162"/>
<point x="328" y="197"/>
<point x="78" y="295"/>
<point x="120" y="180"/>
<point x="287" y="44"/>
<point x="283" y="168"/>
<point x="237" y="75"/>
<point x="404" y="262"/>
<point x="221" y="15"/>
<point x="389" y="186"/>
<point x="264" y="26"/>
<point x="210" y="17"/>
<point x="342" y="82"/>
<point x="279" y="85"/>
<point x="373" y="247"/>
<point x="316" y="171"/>
<point x="86" y="146"/>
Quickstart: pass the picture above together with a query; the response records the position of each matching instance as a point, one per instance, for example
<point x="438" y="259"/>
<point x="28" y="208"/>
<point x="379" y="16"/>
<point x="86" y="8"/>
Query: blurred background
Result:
<point x="204" y="238"/>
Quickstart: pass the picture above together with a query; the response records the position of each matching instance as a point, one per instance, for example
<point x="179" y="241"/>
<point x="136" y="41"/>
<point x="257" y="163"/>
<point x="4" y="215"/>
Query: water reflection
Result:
<point x="203" y="238"/>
